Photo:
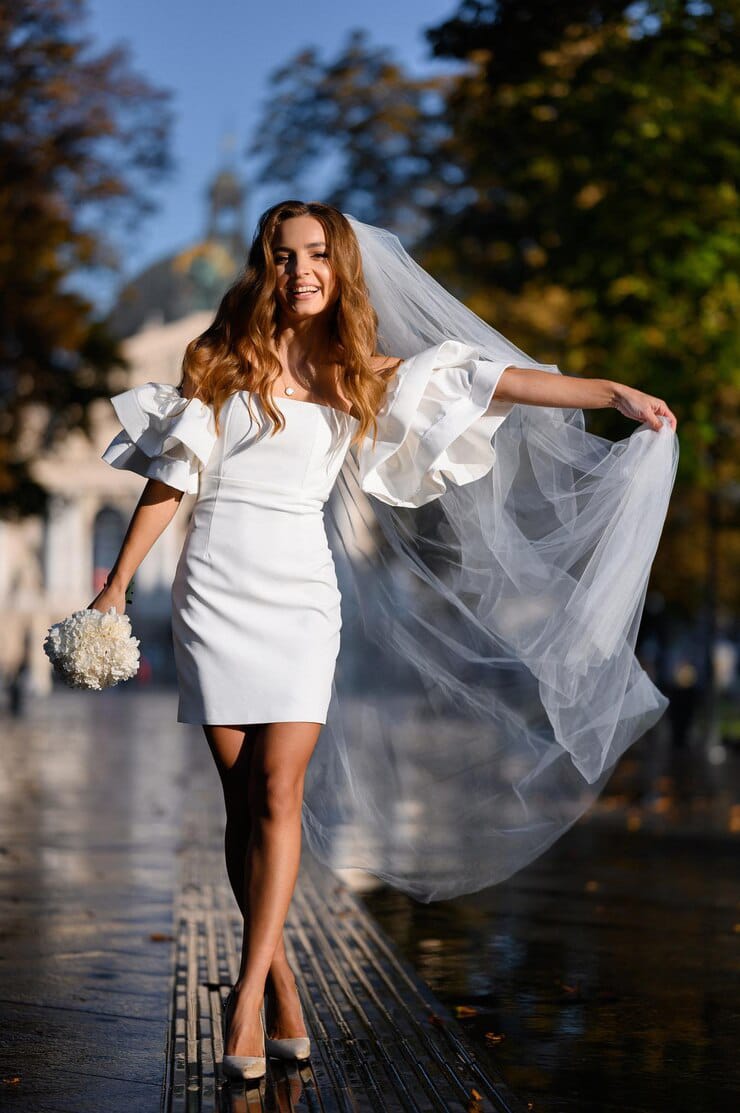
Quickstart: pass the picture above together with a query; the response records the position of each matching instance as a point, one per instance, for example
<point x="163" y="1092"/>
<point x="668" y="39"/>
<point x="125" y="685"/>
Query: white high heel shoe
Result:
<point x="294" y="1047"/>
<point x="242" y="1067"/>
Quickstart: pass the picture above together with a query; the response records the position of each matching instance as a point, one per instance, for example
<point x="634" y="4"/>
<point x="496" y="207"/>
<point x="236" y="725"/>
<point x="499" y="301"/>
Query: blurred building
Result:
<point x="51" y="567"/>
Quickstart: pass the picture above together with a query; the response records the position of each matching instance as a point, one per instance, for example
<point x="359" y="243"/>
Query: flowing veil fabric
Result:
<point x="487" y="681"/>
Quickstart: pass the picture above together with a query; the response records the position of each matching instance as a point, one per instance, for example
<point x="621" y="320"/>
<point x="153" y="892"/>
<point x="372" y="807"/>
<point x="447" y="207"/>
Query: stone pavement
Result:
<point x="379" y="1039"/>
<point x="91" y="789"/>
<point x="606" y="971"/>
<point x="120" y="939"/>
<point x="598" y="980"/>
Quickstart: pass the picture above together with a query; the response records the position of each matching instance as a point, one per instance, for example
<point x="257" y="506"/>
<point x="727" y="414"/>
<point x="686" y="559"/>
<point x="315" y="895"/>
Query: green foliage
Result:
<point x="81" y="139"/>
<point x="577" y="187"/>
<point x="379" y="132"/>
<point x="604" y="150"/>
<point x="602" y="143"/>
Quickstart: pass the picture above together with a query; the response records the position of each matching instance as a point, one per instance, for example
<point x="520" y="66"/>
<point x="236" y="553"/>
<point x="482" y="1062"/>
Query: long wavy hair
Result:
<point x="238" y="350"/>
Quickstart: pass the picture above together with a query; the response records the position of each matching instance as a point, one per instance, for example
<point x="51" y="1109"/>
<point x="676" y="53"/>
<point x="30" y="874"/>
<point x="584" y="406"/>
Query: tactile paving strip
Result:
<point x="380" y="1039"/>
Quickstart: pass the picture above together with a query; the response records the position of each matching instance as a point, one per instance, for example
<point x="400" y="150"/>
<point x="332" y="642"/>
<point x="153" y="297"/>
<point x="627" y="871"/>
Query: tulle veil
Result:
<point x="487" y="681"/>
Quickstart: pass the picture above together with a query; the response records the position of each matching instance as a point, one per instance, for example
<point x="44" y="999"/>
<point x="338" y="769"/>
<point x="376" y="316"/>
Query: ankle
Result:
<point x="247" y="995"/>
<point x="281" y="977"/>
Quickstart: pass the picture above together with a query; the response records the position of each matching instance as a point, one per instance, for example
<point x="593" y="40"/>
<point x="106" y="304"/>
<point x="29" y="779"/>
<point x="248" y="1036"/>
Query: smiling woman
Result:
<point x="492" y="637"/>
<point x="305" y="277"/>
<point x="299" y="319"/>
<point x="303" y="272"/>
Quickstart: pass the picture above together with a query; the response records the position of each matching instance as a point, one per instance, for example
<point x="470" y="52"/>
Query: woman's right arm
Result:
<point x="154" y="511"/>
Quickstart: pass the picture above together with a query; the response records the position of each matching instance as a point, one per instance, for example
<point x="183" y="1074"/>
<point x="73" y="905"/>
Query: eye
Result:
<point x="319" y="255"/>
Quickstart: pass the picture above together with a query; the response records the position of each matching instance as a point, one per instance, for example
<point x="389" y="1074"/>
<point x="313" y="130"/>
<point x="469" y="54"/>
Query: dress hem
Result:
<point x="238" y="720"/>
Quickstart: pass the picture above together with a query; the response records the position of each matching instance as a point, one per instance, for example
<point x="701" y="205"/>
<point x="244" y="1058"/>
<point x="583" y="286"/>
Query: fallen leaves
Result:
<point x="571" y="992"/>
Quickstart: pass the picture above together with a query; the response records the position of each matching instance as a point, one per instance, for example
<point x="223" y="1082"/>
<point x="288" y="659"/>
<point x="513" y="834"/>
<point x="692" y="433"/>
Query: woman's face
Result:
<point x="305" y="280"/>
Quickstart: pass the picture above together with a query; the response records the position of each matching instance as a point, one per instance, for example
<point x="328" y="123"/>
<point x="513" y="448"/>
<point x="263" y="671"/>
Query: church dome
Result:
<point x="195" y="277"/>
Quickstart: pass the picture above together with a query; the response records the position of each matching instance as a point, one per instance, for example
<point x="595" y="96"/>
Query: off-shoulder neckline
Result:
<point x="305" y="402"/>
<point x="322" y="405"/>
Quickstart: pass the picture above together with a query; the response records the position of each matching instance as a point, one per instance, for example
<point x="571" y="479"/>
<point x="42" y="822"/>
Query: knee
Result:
<point x="275" y="795"/>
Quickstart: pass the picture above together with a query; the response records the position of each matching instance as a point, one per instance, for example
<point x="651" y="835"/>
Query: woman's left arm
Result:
<point x="541" y="388"/>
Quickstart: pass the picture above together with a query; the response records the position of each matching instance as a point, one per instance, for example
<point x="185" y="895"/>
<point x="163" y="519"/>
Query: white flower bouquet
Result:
<point x="93" y="649"/>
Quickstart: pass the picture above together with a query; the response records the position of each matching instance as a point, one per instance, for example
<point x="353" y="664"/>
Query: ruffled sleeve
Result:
<point x="164" y="436"/>
<point x="433" y="427"/>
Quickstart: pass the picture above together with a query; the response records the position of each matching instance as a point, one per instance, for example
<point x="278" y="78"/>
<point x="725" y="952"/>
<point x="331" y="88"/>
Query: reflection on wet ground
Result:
<point x="92" y="786"/>
<point x="598" y="979"/>
<point x="600" y="976"/>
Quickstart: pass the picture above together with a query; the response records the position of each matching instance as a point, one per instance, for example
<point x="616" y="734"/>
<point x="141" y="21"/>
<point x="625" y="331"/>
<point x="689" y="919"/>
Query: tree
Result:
<point x="380" y="130"/>
<point x="602" y="142"/>
<point x="82" y="137"/>
<point x="576" y="186"/>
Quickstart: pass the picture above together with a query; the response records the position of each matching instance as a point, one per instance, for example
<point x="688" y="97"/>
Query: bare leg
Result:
<point x="277" y="766"/>
<point x="232" y="748"/>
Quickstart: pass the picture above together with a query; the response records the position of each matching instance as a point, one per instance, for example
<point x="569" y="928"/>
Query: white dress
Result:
<point x="486" y="682"/>
<point x="256" y="608"/>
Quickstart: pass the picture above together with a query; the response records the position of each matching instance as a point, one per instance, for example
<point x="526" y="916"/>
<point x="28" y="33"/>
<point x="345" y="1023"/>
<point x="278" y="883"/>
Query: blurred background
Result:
<point x="569" y="170"/>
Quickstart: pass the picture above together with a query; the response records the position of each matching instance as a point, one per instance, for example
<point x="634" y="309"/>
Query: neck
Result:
<point x="305" y="343"/>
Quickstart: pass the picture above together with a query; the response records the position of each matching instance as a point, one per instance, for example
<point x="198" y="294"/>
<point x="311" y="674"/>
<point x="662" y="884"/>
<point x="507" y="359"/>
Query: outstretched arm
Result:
<point x="541" y="388"/>
<point x="154" y="512"/>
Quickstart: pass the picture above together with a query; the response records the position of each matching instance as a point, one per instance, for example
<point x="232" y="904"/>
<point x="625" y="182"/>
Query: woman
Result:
<point x="279" y="389"/>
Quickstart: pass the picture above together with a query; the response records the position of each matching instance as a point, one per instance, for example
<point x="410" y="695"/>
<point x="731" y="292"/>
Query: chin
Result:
<point x="304" y="310"/>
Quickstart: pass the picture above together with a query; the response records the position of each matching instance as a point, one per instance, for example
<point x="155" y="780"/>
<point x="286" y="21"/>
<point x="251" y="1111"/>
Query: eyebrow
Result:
<point x="320" y="244"/>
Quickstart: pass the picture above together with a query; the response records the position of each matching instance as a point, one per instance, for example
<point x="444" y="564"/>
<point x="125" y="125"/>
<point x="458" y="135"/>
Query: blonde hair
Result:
<point x="236" y="351"/>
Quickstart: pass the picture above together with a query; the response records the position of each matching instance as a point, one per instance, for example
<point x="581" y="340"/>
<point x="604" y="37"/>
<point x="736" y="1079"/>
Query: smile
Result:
<point x="302" y="292"/>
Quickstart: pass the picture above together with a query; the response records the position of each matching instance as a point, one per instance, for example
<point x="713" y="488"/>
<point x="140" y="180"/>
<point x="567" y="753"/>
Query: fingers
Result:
<point x="662" y="409"/>
<point x="646" y="408"/>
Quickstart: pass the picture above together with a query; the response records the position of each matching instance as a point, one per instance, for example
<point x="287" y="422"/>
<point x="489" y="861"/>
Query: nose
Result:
<point x="300" y="267"/>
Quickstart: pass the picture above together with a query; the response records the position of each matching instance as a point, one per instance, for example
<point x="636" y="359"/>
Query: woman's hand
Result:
<point x="641" y="407"/>
<point x="110" y="596"/>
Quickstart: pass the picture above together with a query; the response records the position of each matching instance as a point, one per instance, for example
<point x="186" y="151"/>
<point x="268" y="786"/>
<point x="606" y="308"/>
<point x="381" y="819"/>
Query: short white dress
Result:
<point x="256" y="608"/>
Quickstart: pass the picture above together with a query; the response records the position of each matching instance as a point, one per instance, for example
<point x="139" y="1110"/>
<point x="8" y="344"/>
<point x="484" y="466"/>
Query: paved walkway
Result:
<point x="607" y="970"/>
<point x="121" y="938"/>
<point x="600" y="978"/>
<point x="380" y="1040"/>
<point x="91" y="789"/>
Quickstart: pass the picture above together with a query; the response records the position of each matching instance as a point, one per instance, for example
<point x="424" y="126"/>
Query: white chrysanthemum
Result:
<point x="93" y="649"/>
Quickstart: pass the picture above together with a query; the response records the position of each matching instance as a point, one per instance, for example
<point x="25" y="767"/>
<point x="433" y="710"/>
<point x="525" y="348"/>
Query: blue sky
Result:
<point x="217" y="57"/>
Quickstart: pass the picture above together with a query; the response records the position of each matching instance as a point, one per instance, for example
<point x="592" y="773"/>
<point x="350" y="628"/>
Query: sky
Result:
<point x="216" y="57"/>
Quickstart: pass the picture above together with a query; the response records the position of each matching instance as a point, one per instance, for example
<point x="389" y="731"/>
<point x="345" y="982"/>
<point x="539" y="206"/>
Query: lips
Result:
<point x="301" y="293"/>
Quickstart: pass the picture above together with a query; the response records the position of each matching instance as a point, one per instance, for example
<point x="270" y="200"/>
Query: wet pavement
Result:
<point x="380" y="1040"/>
<point x="604" y="976"/>
<point x="599" y="978"/>
<point x="91" y="788"/>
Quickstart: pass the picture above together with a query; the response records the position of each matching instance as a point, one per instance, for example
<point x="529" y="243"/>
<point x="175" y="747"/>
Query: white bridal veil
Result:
<point x="487" y="681"/>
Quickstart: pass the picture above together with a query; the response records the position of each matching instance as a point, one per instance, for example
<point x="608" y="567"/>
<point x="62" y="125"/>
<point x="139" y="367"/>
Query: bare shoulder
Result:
<point x="385" y="363"/>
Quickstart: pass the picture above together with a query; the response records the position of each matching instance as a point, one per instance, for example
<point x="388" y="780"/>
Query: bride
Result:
<point x="492" y="632"/>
